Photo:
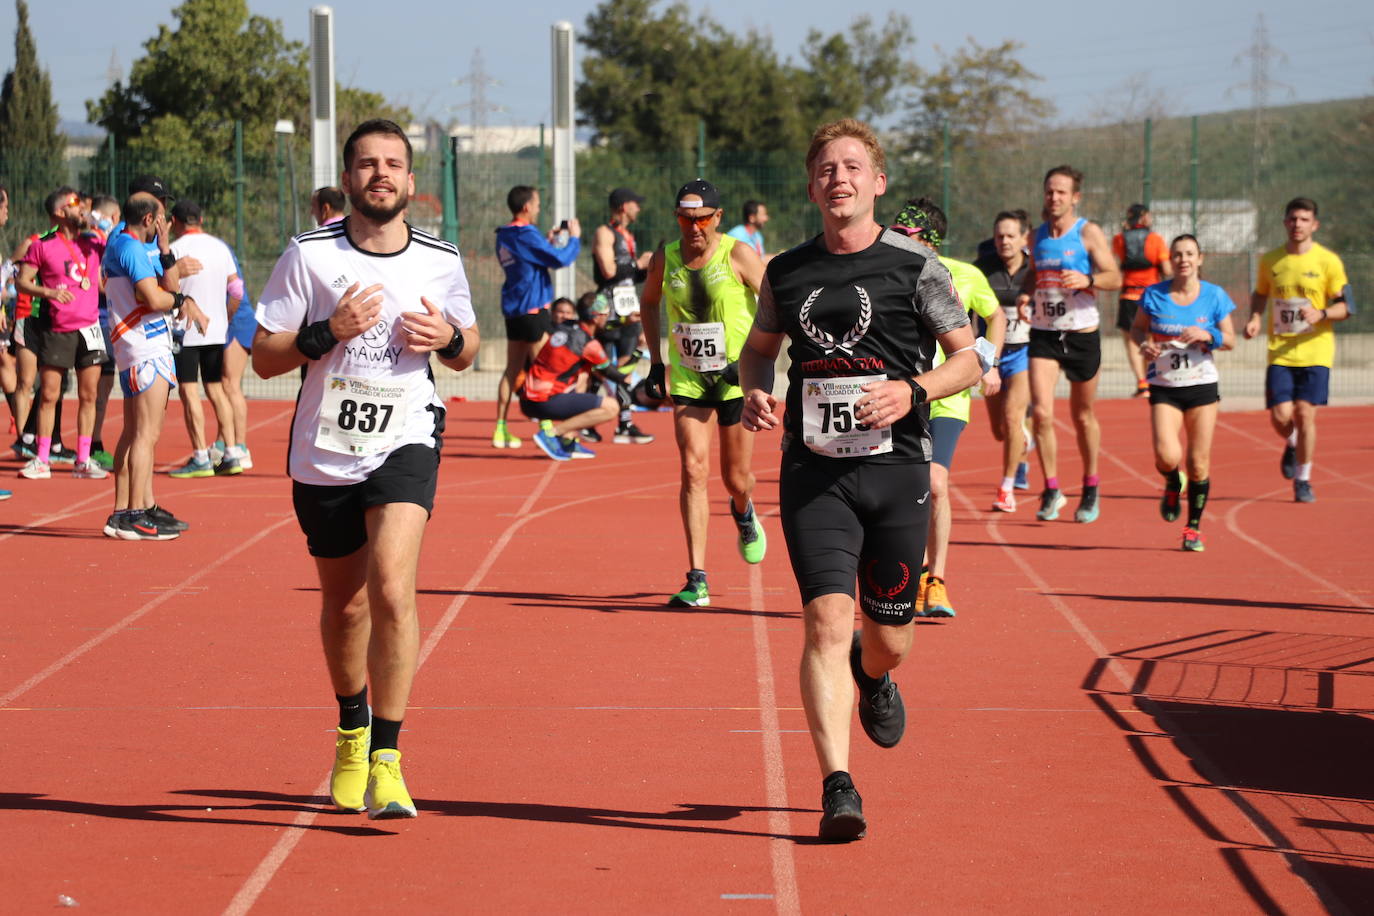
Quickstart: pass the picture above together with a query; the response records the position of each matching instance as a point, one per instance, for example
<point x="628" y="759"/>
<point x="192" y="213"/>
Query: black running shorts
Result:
<point x="728" y="413"/>
<point x="1079" y="353"/>
<point x="850" y="519"/>
<point x="530" y="327"/>
<point x="201" y="363"/>
<point x="1187" y="397"/>
<point x="333" y="517"/>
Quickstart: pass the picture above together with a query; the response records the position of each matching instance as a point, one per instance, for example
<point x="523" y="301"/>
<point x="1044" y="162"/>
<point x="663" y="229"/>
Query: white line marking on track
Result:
<point x="788" y="900"/>
<point x="105" y="634"/>
<point x="257" y="882"/>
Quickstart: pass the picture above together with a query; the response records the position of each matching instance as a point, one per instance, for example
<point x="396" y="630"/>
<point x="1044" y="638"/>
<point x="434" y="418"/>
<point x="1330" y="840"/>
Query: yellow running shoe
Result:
<point x="349" y="777"/>
<point x="386" y="796"/>
<point x="937" y="599"/>
<point x="921" y="594"/>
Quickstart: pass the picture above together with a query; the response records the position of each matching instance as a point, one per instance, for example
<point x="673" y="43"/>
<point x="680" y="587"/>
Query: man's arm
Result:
<point x="649" y="313"/>
<point x="27" y="282"/>
<point x="278" y="352"/>
<point x="1258" y="302"/>
<point x="603" y="250"/>
<point x="1106" y="274"/>
<point x="234" y="290"/>
<point x="748" y="266"/>
<point x="757" y="361"/>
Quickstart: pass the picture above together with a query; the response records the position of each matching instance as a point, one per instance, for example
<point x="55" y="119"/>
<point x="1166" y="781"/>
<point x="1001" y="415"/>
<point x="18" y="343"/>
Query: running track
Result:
<point x="1109" y="725"/>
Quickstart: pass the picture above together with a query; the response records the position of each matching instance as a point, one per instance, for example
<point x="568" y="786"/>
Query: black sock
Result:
<point x="867" y="683"/>
<point x="97" y="445"/>
<point x="353" y="710"/>
<point x="840" y="779"/>
<point x="1173" y="480"/>
<point x="696" y="575"/>
<point x="385" y="733"/>
<point x="9" y="399"/>
<point x="1197" y="501"/>
<point x="742" y="518"/>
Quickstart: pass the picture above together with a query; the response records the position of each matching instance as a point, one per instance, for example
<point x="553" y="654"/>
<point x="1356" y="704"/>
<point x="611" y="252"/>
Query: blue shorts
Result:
<point x="944" y="438"/>
<point x="561" y="406"/>
<point x="243" y="326"/>
<point x="139" y="378"/>
<point x="1283" y="384"/>
<point x="1015" y="360"/>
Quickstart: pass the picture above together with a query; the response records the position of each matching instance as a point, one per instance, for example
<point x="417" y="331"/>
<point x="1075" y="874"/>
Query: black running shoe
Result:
<point x="1170" y="501"/>
<point x="61" y="455"/>
<point x="1302" y="492"/>
<point x="166" y="519"/>
<point x="842" y="818"/>
<point x="140" y="527"/>
<point x="1288" y="462"/>
<point x="591" y="435"/>
<point x="881" y="710"/>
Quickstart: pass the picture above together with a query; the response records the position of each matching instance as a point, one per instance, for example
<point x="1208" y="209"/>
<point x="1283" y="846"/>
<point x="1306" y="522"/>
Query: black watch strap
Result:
<point x="918" y="394"/>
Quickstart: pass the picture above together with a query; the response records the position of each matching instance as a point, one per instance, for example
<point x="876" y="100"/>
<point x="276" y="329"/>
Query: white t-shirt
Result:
<point x="305" y="287"/>
<point x="208" y="287"/>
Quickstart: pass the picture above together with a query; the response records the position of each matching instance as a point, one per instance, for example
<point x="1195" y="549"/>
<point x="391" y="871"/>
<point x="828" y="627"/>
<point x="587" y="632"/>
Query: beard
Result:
<point x="379" y="214"/>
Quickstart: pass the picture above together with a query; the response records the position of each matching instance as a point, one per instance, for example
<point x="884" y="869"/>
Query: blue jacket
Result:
<point x="526" y="256"/>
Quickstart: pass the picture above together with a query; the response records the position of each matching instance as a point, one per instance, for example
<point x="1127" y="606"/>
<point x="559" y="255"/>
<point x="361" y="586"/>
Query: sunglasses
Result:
<point x="700" y="222"/>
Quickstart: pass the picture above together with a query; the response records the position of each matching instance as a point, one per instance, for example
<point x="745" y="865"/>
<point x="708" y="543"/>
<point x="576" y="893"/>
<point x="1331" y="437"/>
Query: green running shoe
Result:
<point x="693" y="594"/>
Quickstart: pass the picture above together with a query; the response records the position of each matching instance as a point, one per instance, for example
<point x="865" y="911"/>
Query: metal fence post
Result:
<point x="448" y="195"/>
<point x="457" y="185"/>
<point x="239" y="181"/>
<point x="1193" y="170"/>
<point x="281" y="196"/>
<point x="1147" y="182"/>
<point x="542" y="166"/>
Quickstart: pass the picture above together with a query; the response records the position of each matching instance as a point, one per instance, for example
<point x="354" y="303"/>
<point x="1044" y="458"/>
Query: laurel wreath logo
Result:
<point x="824" y="339"/>
<point x="887" y="593"/>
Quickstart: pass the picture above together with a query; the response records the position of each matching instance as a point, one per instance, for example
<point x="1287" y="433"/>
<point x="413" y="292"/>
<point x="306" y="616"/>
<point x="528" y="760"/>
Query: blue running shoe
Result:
<point x="1022" y="481"/>
<point x="576" y="449"/>
<point x="548" y="443"/>
<point x="1087" y="506"/>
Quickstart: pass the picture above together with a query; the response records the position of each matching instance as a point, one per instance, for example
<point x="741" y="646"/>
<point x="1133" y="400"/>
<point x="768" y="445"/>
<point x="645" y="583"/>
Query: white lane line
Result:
<point x="113" y="629"/>
<point x="257" y="882"/>
<point x="787" y="897"/>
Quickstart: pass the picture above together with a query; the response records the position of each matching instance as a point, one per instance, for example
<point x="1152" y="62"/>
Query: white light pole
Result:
<point x="323" y="131"/>
<point x="564" y="174"/>
<point x="285" y="129"/>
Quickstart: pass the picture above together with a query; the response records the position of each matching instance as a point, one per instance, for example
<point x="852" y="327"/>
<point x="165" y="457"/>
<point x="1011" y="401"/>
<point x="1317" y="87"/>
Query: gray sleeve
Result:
<point x="937" y="301"/>
<point x="766" y="316"/>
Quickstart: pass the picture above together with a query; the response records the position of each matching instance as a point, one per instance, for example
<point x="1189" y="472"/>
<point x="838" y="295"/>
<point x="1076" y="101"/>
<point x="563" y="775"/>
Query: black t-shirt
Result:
<point x="874" y="312"/>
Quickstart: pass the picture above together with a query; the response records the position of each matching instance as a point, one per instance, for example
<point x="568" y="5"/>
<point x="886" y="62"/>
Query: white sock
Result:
<point x="1305" y="471"/>
<point x="202" y="456"/>
<point x="1293" y="438"/>
<point x="1008" y="482"/>
<point x="233" y="451"/>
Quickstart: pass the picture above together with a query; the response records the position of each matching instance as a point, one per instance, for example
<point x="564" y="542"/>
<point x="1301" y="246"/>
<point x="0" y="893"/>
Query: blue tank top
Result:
<point x="1053" y="307"/>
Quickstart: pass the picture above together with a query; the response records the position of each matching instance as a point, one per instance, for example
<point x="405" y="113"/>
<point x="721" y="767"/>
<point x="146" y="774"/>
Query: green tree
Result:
<point x="31" y="147"/>
<point x="982" y="93"/>
<point x="652" y="75"/>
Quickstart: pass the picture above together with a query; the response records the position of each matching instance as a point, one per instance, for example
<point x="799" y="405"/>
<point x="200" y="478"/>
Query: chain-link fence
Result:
<point x="1223" y="177"/>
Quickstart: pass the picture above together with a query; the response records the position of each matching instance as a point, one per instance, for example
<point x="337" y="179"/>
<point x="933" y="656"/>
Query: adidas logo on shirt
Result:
<point x="340" y="283"/>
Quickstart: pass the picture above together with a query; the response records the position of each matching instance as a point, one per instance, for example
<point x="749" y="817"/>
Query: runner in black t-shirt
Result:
<point x="862" y="308"/>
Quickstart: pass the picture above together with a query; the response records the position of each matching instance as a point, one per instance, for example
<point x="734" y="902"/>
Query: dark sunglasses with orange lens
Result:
<point x="701" y="222"/>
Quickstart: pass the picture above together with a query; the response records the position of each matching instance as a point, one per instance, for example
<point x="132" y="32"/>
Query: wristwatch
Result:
<point x="918" y="394"/>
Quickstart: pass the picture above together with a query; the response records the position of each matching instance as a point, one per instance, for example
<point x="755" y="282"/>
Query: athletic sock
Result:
<point x="202" y="456"/>
<point x="233" y="451"/>
<point x="1293" y="437"/>
<point x="745" y="518"/>
<point x="385" y="733"/>
<point x="27" y="438"/>
<point x="840" y="779"/>
<point x="97" y="445"/>
<point x="1008" y="483"/>
<point x="1197" y="501"/>
<point x="1173" y="480"/>
<point x="1305" y="471"/>
<point x="625" y="417"/>
<point x="867" y="683"/>
<point x="1090" y="480"/>
<point x="353" y="710"/>
<point x="1051" y="483"/>
<point x="9" y="399"/>
<point x="83" y="449"/>
<point x="44" y="448"/>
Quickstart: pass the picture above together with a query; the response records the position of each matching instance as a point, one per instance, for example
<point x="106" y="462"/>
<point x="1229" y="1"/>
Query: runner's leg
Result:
<point x="1044" y="373"/>
<point x="692" y="425"/>
<point x="394" y="532"/>
<point x="1082" y="396"/>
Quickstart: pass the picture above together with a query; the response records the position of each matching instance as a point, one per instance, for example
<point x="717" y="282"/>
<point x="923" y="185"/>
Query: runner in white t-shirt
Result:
<point x="218" y="290"/>
<point x="362" y="303"/>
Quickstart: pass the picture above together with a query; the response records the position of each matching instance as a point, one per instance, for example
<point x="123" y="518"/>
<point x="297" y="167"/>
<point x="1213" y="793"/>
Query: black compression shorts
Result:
<point x="334" y="518"/>
<point x="1186" y="397"/>
<point x="850" y="519"/>
<point x="529" y="328"/>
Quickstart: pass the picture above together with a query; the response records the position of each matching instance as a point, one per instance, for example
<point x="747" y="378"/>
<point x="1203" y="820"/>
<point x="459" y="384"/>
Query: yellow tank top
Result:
<point x="708" y="315"/>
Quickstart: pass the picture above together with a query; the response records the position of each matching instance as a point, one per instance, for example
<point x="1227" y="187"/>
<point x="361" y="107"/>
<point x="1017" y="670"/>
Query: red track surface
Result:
<point x="1109" y="725"/>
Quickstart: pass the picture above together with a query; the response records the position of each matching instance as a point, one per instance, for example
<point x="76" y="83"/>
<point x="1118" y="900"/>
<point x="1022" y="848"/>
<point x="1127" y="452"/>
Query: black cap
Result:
<point x="698" y="193"/>
<point x="152" y="185"/>
<point x="622" y="196"/>
<point x="188" y="212"/>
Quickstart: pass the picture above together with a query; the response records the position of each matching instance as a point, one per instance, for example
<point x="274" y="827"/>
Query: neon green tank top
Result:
<point x="708" y="315"/>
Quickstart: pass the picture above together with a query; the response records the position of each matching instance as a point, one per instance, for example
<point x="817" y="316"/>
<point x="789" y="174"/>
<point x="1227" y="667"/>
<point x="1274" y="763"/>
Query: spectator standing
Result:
<point x="617" y="266"/>
<point x="527" y="256"/>
<point x="328" y="205"/>
<point x="750" y="232"/>
<point x="1144" y="260"/>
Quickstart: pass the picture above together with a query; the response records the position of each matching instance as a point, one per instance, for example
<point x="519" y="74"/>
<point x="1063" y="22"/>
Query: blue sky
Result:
<point x="414" y="51"/>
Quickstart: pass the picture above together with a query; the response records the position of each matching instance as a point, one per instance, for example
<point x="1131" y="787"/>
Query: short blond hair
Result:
<point x="847" y="127"/>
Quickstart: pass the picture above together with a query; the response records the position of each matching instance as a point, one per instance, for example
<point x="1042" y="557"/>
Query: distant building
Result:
<point x="1223" y="226"/>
